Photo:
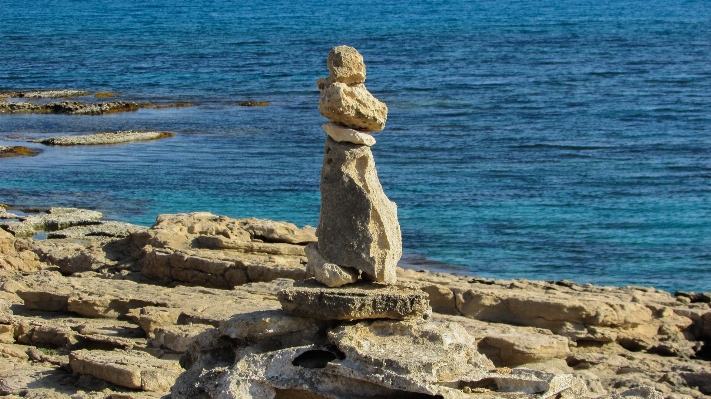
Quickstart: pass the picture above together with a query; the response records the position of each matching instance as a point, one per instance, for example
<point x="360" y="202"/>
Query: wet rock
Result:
<point x="358" y="226"/>
<point x="18" y="151"/>
<point x="43" y="94"/>
<point x="68" y="107"/>
<point x="354" y="302"/>
<point x="104" y="138"/>
<point x="130" y="369"/>
<point x="348" y="135"/>
<point x="328" y="274"/>
<point x="353" y="106"/>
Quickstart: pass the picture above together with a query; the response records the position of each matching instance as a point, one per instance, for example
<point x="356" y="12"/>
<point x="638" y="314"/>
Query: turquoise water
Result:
<point x="543" y="140"/>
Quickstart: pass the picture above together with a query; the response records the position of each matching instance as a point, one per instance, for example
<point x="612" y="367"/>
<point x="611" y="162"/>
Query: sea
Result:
<point x="543" y="140"/>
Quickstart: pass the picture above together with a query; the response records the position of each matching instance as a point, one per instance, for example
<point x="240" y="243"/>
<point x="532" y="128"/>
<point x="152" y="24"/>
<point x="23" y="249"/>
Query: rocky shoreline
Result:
<point x="103" y="309"/>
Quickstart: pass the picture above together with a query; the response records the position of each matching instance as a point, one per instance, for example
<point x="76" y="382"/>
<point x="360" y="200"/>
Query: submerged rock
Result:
<point x="18" y="151"/>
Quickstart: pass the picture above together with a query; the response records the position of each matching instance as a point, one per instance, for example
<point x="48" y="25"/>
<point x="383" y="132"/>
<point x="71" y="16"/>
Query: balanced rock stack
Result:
<point x="351" y="332"/>
<point x="358" y="230"/>
<point x="359" y="241"/>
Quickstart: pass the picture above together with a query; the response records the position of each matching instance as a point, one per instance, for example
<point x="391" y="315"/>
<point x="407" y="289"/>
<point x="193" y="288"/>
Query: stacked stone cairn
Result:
<point x="351" y="332"/>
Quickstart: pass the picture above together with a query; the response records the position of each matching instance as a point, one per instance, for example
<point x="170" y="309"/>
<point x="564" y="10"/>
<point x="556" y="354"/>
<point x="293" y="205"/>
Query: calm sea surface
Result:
<point x="544" y="140"/>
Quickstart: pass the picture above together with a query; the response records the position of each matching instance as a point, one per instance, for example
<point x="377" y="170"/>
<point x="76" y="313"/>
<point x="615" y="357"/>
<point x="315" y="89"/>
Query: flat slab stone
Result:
<point x="341" y="134"/>
<point x="130" y="369"/>
<point x="363" y="300"/>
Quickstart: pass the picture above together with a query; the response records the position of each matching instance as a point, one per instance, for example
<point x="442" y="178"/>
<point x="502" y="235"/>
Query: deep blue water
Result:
<point x="545" y="140"/>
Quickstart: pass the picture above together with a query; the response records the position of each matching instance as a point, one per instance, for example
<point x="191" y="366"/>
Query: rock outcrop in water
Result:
<point x="67" y="107"/>
<point x="118" y="137"/>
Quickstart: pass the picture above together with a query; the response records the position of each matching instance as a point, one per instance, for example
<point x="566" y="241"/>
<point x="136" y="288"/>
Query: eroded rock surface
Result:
<point x="353" y="106"/>
<point x="354" y="302"/>
<point x="358" y="227"/>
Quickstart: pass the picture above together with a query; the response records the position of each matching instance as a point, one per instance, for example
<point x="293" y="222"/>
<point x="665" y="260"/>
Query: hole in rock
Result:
<point x="329" y="161"/>
<point x="328" y="149"/>
<point x="632" y="345"/>
<point x="314" y="359"/>
<point x="486" y="383"/>
<point x="589" y="343"/>
<point x="297" y="394"/>
<point x="705" y="352"/>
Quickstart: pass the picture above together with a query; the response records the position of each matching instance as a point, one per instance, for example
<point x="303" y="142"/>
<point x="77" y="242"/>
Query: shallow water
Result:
<point x="546" y="141"/>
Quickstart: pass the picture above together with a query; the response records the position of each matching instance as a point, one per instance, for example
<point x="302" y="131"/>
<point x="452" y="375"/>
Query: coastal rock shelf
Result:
<point x="632" y="340"/>
<point x="104" y="138"/>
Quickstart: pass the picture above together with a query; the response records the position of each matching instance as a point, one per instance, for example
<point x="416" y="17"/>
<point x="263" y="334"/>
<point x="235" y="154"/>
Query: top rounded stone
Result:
<point x="346" y="65"/>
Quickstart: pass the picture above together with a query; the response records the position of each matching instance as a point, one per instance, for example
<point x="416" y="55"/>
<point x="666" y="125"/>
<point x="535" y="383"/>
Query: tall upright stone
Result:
<point x="358" y="228"/>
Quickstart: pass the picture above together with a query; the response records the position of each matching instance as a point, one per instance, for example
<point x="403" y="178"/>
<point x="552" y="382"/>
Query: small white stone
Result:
<point x="345" y="134"/>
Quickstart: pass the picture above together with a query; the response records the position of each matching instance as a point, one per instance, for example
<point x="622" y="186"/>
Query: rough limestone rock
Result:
<point x="367" y="359"/>
<point x="636" y="318"/>
<point x="358" y="227"/>
<point x="345" y="65"/>
<point x="354" y="302"/>
<point x="15" y="254"/>
<point x="353" y="106"/>
<point x="217" y="251"/>
<point x="54" y="219"/>
<point x="104" y="229"/>
<point x="326" y="273"/>
<point x="348" y="135"/>
<point x="130" y="369"/>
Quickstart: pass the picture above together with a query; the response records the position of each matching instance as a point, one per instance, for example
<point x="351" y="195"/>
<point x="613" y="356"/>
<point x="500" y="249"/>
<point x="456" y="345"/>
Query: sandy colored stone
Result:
<point x="348" y="135"/>
<point x="353" y="302"/>
<point x="358" y="226"/>
<point x="329" y="274"/>
<point x="445" y="351"/>
<point x="345" y="65"/>
<point x="272" y="231"/>
<point x="353" y="106"/>
<point x="130" y="369"/>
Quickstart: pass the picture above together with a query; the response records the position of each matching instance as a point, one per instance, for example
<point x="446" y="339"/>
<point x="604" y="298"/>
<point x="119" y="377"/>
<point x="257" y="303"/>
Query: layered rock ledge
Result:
<point x="107" y="290"/>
